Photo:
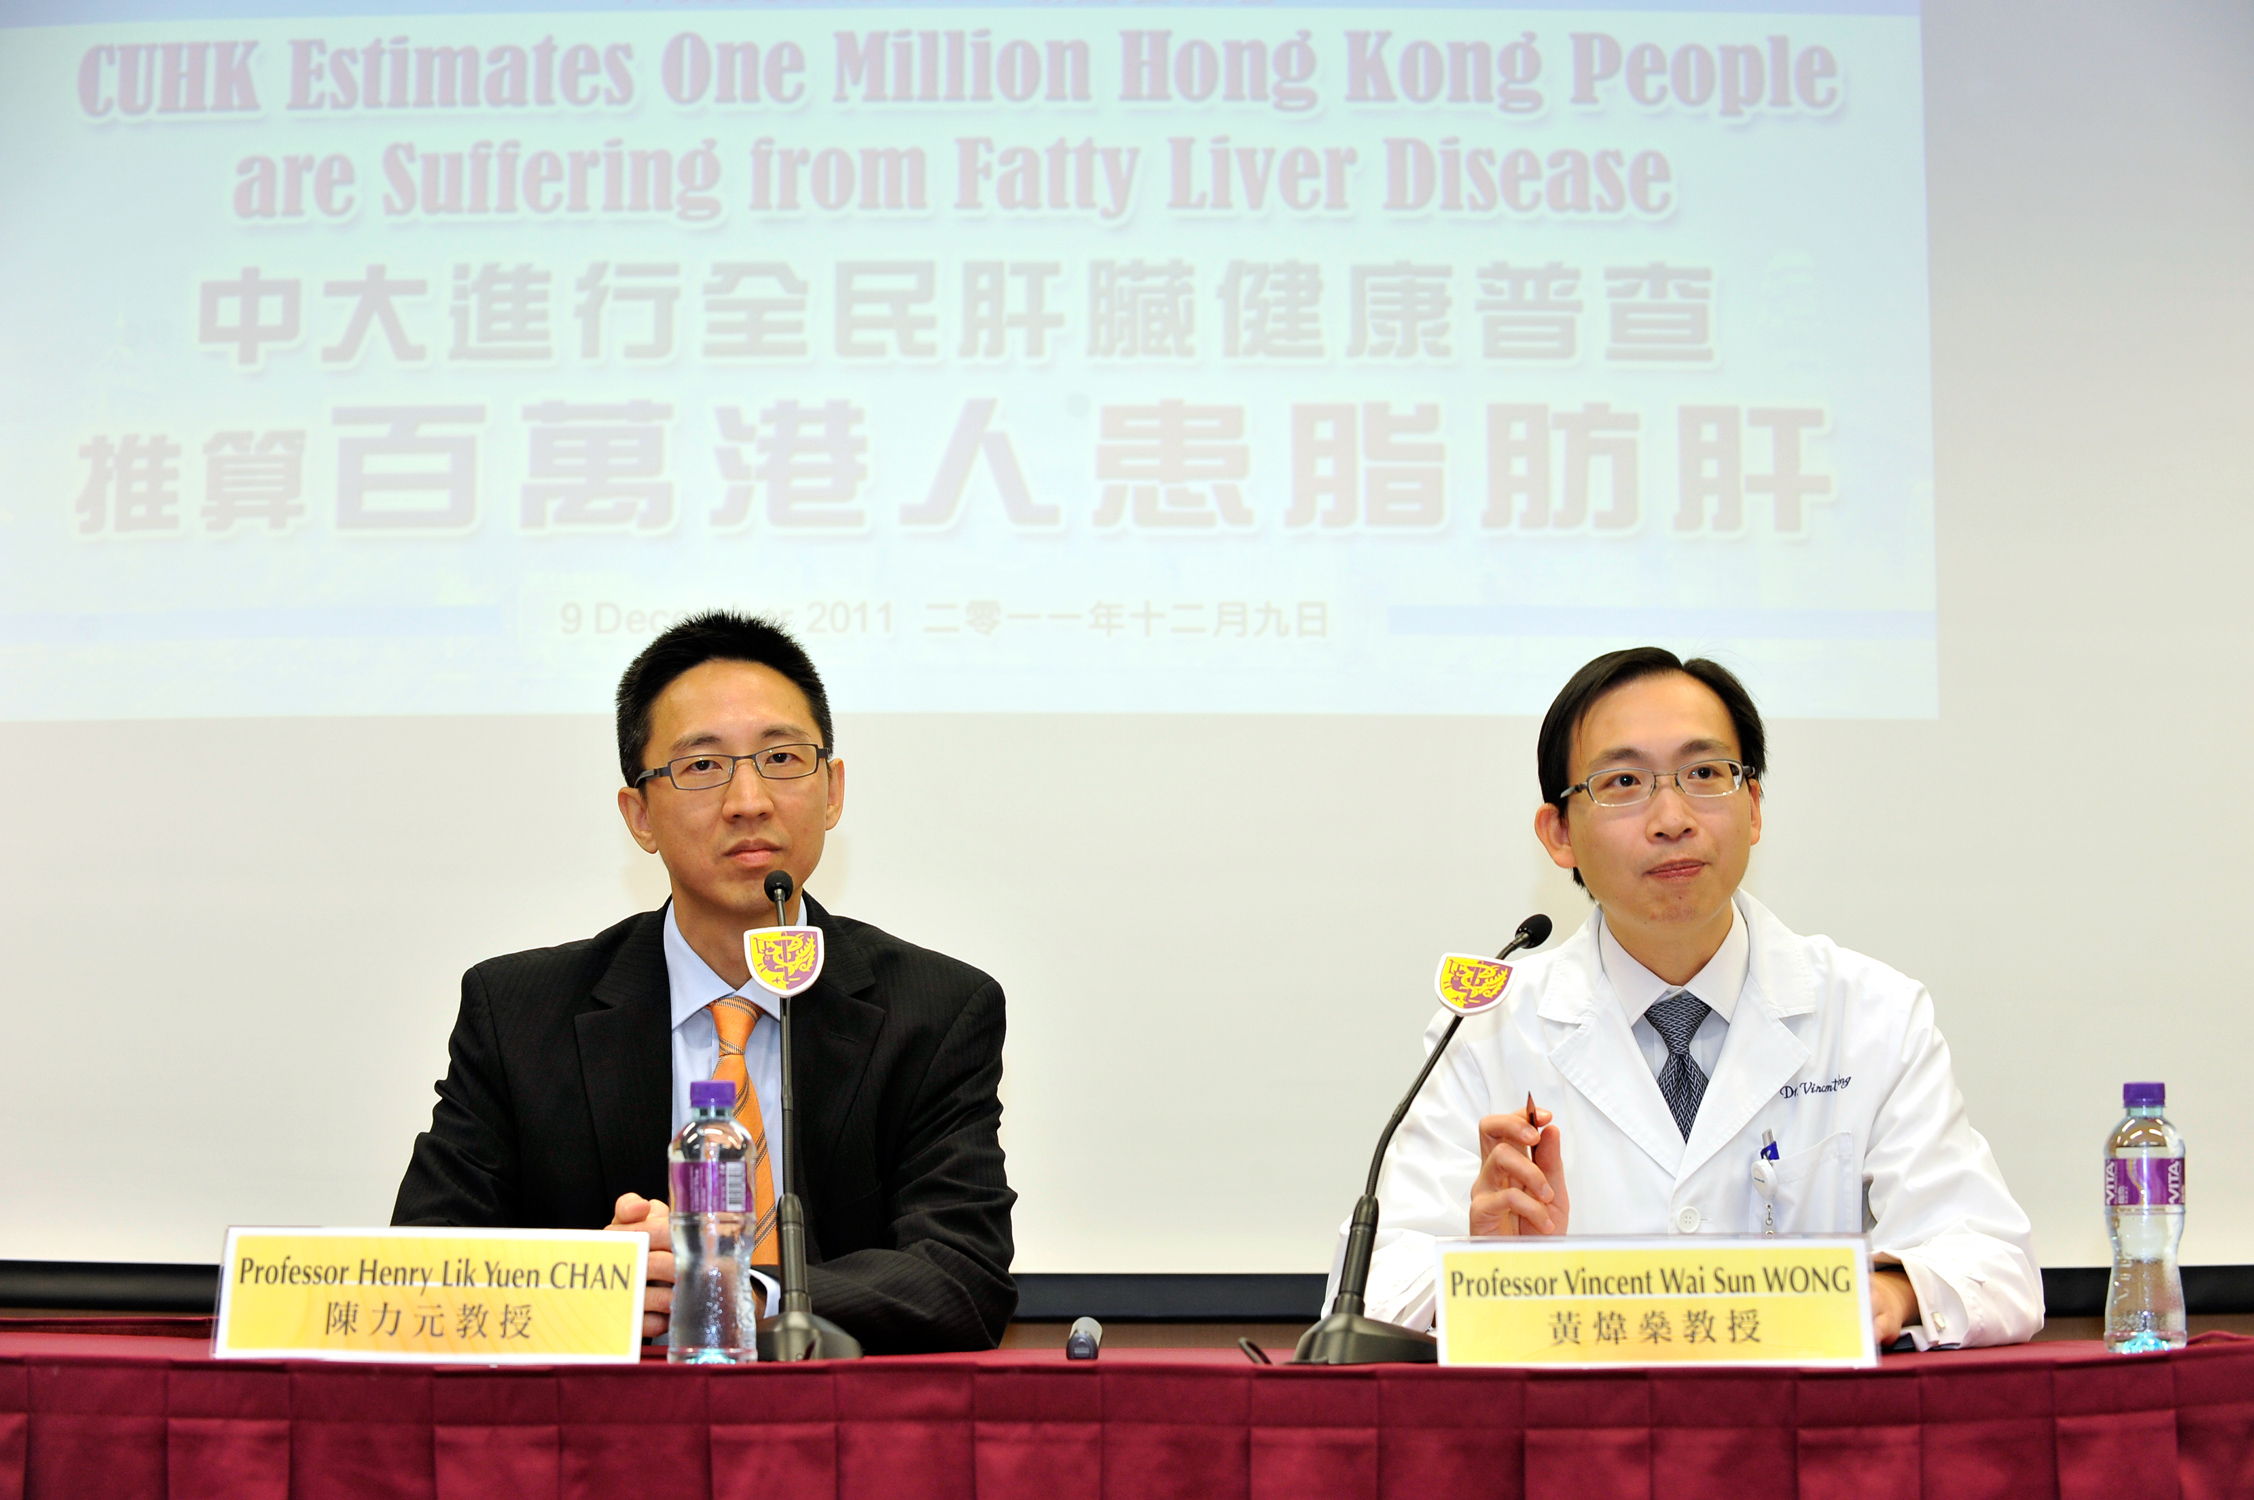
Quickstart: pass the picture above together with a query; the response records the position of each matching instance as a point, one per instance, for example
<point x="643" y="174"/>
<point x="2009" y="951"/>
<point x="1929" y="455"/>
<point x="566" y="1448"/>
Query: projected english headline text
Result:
<point x="1504" y="82"/>
<point x="1183" y="358"/>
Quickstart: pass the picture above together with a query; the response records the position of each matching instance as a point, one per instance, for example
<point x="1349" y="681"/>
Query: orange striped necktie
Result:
<point x="734" y="1016"/>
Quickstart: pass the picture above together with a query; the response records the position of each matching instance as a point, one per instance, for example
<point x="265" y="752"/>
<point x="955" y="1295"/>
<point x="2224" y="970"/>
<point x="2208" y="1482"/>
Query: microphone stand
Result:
<point x="1347" y="1337"/>
<point x="796" y="1332"/>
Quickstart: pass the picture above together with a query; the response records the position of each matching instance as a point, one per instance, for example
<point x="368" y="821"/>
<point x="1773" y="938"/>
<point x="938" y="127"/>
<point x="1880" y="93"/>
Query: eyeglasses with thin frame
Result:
<point x="703" y="772"/>
<point x="1625" y="786"/>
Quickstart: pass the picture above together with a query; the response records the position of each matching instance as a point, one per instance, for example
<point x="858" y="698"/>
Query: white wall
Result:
<point x="1216" y="933"/>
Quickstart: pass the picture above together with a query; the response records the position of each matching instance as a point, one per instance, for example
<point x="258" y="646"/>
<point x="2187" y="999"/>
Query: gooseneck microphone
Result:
<point x="794" y="1333"/>
<point x="1346" y="1337"/>
<point x="778" y="887"/>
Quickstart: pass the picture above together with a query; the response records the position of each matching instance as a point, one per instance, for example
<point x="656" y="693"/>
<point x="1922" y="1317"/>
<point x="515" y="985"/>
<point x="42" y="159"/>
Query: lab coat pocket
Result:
<point x="1820" y="1190"/>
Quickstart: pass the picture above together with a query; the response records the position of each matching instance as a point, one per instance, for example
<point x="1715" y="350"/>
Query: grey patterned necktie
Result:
<point x="1681" y="1083"/>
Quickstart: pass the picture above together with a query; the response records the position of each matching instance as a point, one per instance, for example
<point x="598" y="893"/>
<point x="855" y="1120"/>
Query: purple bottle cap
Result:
<point x="720" y="1093"/>
<point x="2143" y="1095"/>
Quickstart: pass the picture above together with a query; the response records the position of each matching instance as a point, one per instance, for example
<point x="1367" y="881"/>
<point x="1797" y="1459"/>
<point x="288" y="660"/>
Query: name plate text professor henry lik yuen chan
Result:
<point x="1602" y="1302"/>
<point x="432" y="1296"/>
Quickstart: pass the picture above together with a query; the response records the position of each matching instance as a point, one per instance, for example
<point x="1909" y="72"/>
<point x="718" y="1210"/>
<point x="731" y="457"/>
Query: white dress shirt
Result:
<point x="1718" y="984"/>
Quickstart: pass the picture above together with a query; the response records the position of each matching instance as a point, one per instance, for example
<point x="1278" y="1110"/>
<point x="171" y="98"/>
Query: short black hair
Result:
<point x="1553" y="748"/>
<point x="715" y="635"/>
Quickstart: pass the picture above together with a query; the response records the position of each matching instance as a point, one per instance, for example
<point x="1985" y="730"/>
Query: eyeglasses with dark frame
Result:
<point x="703" y="772"/>
<point x="1625" y="786"/>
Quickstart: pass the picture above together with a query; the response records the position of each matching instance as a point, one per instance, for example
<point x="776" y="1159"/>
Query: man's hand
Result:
<point x="1516" y="1194"/>
<point x="636" y="1214"/>
<point x="1893" y="1304"/>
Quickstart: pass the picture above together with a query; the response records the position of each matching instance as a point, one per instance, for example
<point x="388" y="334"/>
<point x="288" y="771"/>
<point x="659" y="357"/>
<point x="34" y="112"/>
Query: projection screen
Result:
<point x="1194" y="441"/>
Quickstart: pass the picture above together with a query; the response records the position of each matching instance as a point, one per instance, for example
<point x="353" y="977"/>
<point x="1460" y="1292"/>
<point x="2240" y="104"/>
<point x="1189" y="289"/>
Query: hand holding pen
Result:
<point x="1521" y="1184"/>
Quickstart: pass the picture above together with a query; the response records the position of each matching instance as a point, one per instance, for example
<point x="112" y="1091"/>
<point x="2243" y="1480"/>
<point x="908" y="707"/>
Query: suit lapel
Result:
<point x="833" y="1034"/>
<point x="626" y="1062"/>
<point x="1761" y="1053"/>
<point x="1599" y="1055"/>
<point x="1758" y="1055"/>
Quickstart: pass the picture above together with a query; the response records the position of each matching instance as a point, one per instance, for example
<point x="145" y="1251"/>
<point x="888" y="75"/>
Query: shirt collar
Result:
<point x="1718" y="984"/>
<point x="691" y="981"/>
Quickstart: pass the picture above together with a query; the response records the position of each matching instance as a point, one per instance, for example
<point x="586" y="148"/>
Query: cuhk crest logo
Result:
<point x="1469" y="984"/>
<point x="784" y="961"/>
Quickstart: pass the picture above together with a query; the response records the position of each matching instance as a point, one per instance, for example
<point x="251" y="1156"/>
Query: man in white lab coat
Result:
<point x="1682" y="1030"/>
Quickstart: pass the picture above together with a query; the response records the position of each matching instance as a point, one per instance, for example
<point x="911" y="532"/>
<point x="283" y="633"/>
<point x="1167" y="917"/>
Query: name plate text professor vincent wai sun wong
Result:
<point x="432" y="1296"/>
<point x="1710" y="1300"/>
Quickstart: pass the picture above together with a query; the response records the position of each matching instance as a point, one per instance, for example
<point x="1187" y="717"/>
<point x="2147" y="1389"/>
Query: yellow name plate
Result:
<point x="433" y="1296"/>
<point x="1705" y="1300"/>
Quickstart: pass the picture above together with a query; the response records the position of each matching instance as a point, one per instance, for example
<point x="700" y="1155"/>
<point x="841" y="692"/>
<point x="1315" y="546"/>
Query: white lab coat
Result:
<point x="1833" y="1052"/>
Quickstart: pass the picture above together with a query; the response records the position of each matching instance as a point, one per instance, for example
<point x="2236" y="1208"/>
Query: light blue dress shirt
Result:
<point x="696" y="1041"/>
<point x="696" y="1051"/>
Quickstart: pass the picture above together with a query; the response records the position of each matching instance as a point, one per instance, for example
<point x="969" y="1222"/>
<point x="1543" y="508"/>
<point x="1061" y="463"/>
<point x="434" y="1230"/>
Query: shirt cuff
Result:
<point x="770" y="1301"/>
<point x="1943" y="1319"/>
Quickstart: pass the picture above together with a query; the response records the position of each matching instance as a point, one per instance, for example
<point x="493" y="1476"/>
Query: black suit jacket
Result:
<point x="558" y="1097"/>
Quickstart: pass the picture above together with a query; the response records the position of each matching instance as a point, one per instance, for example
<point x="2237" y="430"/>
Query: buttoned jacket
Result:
<point x="1833" y="1054"/>
<point x="558" y="1098"/>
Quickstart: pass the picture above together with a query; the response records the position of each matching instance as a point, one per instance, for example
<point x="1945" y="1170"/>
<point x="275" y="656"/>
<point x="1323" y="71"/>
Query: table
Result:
<point x="126" y="1415"/>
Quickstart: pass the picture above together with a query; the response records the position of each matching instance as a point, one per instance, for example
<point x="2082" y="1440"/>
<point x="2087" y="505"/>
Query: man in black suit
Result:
<point x="568" y="1069"/>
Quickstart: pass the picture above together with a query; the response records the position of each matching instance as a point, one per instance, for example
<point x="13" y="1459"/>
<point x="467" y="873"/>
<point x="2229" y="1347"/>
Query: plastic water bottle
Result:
<point x="2144" y="1212"/>
<point x="715" y="1300"/>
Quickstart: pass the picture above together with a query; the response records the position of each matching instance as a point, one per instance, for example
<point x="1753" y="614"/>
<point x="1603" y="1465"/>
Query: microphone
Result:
<point x="795" y="1332"/>
<point x="1346" y="1337"/>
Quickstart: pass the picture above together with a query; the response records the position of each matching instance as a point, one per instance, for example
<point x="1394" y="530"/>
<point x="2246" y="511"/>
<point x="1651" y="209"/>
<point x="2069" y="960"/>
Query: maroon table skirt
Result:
<point x="124" y="1417"/>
